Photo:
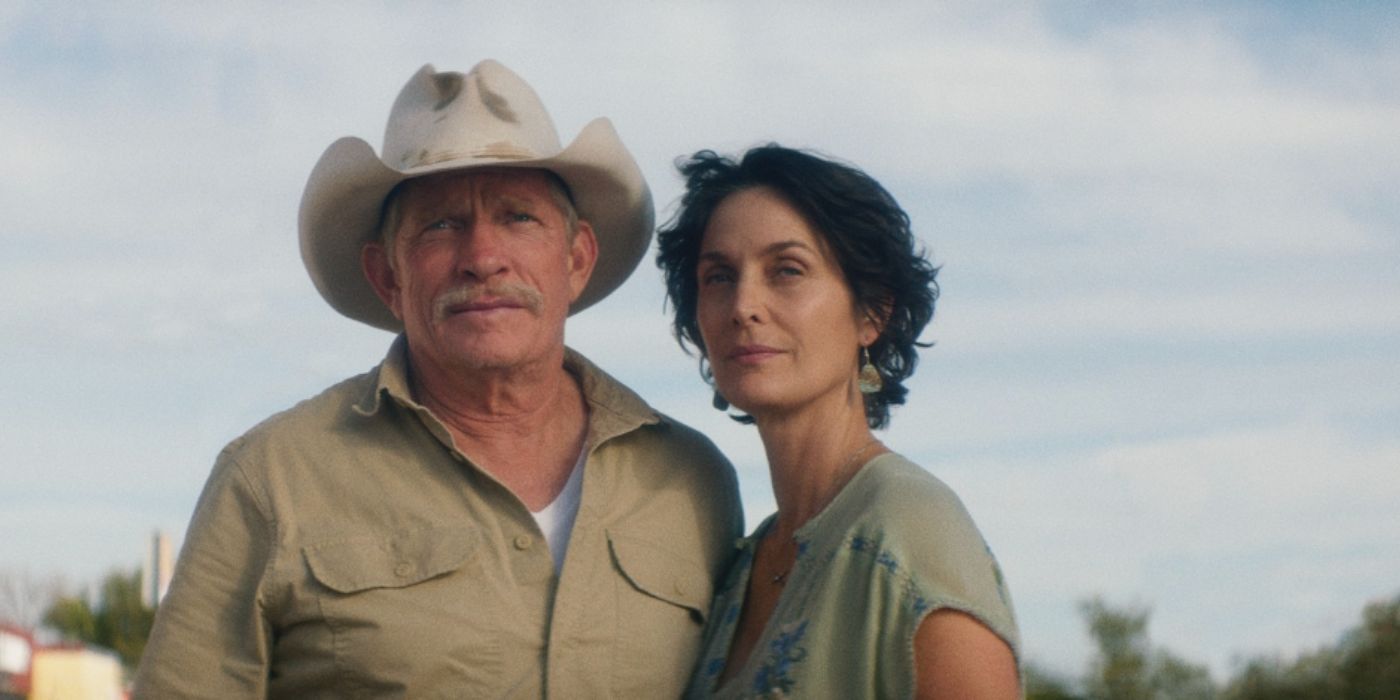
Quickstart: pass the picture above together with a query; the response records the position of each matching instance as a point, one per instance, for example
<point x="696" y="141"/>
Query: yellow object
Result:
<point x="75" y="674"/>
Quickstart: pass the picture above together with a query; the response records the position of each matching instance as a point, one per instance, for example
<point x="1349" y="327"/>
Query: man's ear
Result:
<point x="374" y="262"/>
<point x="583" y="255"/>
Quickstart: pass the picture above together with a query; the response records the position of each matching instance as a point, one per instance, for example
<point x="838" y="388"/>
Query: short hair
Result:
<point x="391" y="213"/>
<point x="865" y="228"/>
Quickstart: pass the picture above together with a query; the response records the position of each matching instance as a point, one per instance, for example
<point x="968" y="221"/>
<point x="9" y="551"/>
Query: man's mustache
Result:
<point x="516" y="292"/>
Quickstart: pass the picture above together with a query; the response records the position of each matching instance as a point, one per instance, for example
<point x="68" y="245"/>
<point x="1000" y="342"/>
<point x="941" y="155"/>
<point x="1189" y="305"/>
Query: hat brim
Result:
<point x="342" y="203"/>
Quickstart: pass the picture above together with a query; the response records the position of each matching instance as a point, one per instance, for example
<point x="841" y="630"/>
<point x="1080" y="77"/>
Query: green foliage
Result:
<point x="73" y="618"/>
<point x="1371" y="655"/>
<point x="1119" y="671"/>
<point x="121" y="622"/>
<point x="1041" y="684"/>
<point x="1365" y="664"/>
<point x="1127" y="667"/>
<point x="1310" y="676"/>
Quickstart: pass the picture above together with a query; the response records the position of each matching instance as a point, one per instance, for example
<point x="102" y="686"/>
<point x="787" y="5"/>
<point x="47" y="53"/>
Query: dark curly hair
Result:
<point x="862" y="223"/>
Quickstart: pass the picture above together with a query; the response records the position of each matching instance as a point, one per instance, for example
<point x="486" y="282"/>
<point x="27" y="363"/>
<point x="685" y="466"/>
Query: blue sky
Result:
<point x="1164" y="368"/>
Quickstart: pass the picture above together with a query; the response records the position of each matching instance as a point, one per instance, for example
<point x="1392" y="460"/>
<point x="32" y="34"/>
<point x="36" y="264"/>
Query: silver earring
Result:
<point x="869" y="378"/>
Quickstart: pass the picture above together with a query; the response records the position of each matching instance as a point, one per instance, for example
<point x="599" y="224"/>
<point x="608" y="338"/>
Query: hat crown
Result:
<point x="488" y="112"/>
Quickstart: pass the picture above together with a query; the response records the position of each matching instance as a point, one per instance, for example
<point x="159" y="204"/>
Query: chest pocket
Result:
<point x="662" y="600"/>
<point x="403" y="559"/>
<point x="406" y="610"/>
<point x="659" y="573"/>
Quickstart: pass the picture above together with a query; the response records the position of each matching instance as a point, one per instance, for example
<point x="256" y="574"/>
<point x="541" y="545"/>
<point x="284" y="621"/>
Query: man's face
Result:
<point x="481" y="269"/>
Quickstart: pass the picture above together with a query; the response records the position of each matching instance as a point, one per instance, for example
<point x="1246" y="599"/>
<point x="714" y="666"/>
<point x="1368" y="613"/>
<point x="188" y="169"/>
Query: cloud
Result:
<point x="1275" y="528"/>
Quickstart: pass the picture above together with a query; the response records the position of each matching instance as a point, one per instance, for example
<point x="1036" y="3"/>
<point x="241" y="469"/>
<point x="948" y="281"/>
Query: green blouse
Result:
<point x="894" y="545"/>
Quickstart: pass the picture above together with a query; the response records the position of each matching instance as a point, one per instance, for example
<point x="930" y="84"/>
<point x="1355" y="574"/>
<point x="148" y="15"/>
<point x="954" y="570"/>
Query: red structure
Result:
<point x="16" y="660"/>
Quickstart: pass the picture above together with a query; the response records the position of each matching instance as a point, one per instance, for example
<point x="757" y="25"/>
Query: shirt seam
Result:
<point x="273" y="535"/>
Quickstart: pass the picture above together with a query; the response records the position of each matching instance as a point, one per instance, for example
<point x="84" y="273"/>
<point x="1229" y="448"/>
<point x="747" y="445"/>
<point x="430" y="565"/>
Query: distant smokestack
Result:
<point x="155" y="571"/>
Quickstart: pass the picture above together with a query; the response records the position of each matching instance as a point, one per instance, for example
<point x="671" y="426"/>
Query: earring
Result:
<point x="719" y="402"/>
<point x="869" y="377"/>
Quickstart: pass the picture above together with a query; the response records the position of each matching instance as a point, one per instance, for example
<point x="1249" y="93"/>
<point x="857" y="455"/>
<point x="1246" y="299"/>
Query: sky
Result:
<point x="1164" y="368"/>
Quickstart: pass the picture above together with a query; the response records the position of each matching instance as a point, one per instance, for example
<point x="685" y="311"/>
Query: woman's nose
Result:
<point x="748" y="303"/>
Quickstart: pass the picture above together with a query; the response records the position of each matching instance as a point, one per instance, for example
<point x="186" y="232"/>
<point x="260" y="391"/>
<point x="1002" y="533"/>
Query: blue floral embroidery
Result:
<point x="887" y="560"/>
<point x="882" y="556"/>
<point x="774" y="679"/>
<point x="920" y="605"/>
<point x="713" y="667"/>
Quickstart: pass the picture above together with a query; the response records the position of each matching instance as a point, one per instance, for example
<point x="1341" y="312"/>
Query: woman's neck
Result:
<point x="812" y="454"/>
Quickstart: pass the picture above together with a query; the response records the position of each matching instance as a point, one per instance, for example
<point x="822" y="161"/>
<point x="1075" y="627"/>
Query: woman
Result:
<point x="798" y="281"/>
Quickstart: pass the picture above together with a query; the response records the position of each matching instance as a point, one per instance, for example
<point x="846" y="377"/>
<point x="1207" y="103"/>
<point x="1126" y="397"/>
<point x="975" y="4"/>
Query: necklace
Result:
<point x="781" y="577"/>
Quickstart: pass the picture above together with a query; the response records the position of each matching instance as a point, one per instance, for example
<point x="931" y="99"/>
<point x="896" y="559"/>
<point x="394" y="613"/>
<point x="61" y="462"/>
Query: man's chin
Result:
<point x="478" y="356"/>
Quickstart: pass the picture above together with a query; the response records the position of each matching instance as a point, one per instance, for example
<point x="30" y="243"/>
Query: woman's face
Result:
<point x="780" y="324"/>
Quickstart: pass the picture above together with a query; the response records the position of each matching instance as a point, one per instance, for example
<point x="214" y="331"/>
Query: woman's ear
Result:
<point x="874" y="318"/>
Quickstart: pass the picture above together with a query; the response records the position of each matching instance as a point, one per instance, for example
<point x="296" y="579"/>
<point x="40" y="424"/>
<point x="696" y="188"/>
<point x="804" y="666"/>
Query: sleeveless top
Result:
<point x="894" y="545"/>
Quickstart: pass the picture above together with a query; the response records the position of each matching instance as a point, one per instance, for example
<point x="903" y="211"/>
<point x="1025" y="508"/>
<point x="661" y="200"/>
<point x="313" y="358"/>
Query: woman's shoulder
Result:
<point x="912" y="525"/>
<point x="893" y="493"/>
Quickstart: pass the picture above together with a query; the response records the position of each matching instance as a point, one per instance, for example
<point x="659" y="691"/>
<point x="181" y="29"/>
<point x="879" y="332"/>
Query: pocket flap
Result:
<point x="661" y="573"/>
<point x="402" y="559"/>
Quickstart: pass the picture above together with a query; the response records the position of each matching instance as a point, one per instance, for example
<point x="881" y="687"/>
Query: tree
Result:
<point x="1119" y="671"/>
<point x="24" y="597"/>
<point x="1127" y="667"/>
<point x="73" y="618"/>
<point x="1046" y="685"/>
<point x="1310" y="676"/>
<point x="121" y="622"/>
<point x="1370" y="665"/>
<point x="1364" y="664"/>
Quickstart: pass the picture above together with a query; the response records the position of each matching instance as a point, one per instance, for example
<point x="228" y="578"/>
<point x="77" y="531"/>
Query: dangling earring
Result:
<point x="719" y="402"/>
<point x="870" y="381"/>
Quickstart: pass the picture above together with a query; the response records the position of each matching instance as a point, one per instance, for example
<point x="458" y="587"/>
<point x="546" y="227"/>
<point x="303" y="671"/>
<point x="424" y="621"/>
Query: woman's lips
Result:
<point x="752" y="354"/>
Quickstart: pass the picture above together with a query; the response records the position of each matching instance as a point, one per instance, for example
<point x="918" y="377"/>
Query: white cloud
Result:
<point x="1275" y="529"/>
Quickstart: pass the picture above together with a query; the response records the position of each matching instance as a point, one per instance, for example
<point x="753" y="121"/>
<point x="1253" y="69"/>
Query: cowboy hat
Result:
<point x="488" y="117"/>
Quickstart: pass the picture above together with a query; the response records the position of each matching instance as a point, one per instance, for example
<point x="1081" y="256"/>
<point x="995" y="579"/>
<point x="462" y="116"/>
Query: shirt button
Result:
<point x="403" y="569"/>
<point x="523" y="541"/>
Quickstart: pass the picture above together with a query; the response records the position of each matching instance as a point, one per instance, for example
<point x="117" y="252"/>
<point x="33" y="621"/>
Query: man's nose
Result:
<point x="481" y="251"/>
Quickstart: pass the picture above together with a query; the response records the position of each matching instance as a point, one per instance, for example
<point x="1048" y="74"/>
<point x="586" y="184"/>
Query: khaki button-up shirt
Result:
<point x="345" y="548"/>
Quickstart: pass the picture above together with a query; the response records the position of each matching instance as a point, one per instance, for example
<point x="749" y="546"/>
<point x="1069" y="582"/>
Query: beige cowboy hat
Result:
<point x="488" y="117"/>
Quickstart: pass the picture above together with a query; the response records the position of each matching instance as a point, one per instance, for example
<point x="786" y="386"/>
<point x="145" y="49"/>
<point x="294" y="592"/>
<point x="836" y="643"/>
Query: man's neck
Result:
<point x="488" y="400"/>
<point x="523" y="425"/>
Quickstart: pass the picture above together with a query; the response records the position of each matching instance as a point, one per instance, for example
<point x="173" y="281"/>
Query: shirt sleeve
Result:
<point x="211" y="636"/>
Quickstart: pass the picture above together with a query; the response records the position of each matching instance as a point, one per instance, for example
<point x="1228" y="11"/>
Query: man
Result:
<point x="486" y="513"/>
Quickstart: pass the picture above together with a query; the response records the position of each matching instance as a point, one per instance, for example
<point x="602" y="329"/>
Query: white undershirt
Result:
<point x="556" y="520"/>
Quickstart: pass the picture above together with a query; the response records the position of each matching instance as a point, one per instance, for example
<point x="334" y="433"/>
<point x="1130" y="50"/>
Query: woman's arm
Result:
<point x="955" y="656"/>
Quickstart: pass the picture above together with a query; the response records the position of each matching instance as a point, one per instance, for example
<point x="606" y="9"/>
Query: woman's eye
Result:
<point x="521" y="217"/>
<point x="715" y="277"/>
<point x="439" y="225"/>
